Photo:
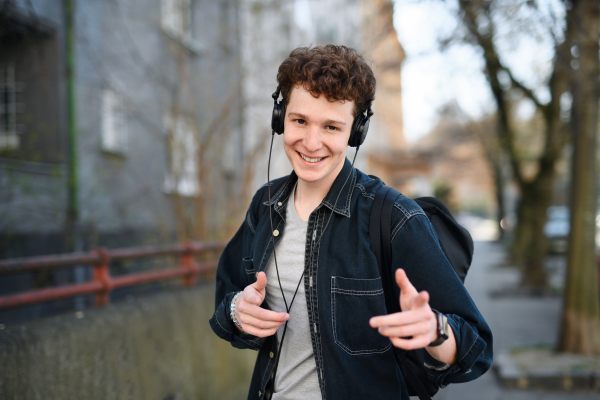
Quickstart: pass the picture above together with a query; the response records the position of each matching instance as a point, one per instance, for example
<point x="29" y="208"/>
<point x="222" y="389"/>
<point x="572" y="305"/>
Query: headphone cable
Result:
<point x="271" y="219"/>
<point x="268" y="392"/>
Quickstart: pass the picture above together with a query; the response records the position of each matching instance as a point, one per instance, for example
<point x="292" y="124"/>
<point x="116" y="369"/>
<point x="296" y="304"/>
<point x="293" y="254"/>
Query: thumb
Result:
<point x="420" y="300"/>
<point x="261" y="282"/>
<point x="406" y="288"/>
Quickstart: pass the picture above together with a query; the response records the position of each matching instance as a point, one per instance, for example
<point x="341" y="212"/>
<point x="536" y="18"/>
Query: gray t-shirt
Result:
<point x="297" y="372"/>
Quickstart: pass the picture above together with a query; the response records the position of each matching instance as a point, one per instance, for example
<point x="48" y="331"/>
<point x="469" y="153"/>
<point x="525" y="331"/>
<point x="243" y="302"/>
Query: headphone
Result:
<point x="360" y="127"/>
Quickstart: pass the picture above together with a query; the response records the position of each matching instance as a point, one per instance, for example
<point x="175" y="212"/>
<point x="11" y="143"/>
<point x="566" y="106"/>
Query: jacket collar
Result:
<point x="342" y="207"/>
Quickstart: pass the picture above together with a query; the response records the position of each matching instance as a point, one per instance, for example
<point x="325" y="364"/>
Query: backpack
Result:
<point x="456" y="243"/>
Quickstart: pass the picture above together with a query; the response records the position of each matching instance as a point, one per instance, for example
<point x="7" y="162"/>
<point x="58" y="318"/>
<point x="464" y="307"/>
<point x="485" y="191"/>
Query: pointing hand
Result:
<point x="415" y="326"/>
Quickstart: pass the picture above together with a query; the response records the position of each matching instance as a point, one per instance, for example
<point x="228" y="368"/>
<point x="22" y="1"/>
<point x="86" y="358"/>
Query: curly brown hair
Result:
<point x="338" y="72"/>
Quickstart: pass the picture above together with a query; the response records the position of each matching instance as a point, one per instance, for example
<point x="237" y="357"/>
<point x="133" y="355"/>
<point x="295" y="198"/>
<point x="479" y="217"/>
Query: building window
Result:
<point x="176" y="22"/>
<point x="183" y="145"/>
<point x="176" y="18"/>
<point x="9" y="138"/>
<point x="114" y="123"/>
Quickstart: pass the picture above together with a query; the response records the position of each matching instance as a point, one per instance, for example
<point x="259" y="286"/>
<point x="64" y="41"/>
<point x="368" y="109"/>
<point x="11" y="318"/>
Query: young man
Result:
<point x="338" y="341"/>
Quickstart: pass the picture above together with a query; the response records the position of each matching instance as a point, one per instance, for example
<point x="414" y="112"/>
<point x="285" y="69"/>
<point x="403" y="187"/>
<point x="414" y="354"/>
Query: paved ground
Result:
<point x="514" y="322"/>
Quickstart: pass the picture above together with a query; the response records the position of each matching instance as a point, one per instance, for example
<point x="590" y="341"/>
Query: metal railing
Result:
<point x="102" y="283"/>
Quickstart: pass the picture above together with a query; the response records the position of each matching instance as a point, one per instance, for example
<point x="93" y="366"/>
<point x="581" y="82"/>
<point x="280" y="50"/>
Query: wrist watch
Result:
<point x="442" y="328"/>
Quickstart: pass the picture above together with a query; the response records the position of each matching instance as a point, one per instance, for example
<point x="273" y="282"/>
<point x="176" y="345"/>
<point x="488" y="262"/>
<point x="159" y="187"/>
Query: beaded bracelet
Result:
<point x="232" y="310"/>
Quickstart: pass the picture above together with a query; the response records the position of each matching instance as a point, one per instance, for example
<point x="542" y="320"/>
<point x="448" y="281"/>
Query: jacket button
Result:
<point x="275" y="232"/>
<point x="279" y="204"/>
<point x="271" y="355"/>
<point x="259" y="393"/>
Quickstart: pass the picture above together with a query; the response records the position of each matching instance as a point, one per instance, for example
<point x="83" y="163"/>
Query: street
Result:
<point x="514" y="321"/>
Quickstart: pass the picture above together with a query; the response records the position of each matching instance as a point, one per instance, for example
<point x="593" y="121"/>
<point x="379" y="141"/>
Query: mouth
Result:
<point x="310" y="160"/>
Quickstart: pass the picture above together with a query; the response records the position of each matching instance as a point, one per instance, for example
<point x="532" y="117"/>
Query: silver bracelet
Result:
<point x="232" y="310"/>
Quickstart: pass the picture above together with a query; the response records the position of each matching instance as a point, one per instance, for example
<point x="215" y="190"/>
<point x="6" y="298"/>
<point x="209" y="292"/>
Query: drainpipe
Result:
<point x="73" y="182"/>
<point x="72" y="224"/>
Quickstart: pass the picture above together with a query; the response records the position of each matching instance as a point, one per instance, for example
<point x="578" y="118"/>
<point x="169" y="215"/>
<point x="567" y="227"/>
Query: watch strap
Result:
<point x="442" y="328"/>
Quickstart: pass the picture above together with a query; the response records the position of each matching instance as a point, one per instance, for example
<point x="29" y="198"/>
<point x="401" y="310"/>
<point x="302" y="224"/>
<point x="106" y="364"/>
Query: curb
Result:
<point x="512" y="377"/>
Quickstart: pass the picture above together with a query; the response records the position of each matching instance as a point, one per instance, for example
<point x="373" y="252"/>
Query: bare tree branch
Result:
<point x="493" y="67"/>
<point x="526" y="91"/>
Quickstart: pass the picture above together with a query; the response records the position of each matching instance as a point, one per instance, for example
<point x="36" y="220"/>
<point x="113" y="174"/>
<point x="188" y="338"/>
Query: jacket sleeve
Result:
<point x="232" y="278"/>
<point x="415" y="248"/>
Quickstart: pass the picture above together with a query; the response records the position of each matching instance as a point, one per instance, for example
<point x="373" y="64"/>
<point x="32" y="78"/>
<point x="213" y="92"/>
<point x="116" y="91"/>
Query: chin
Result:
<point x="308" y="175"/>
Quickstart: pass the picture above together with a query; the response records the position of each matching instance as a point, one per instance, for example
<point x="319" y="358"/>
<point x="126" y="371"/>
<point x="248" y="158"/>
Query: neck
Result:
<point x="310" y="194"/>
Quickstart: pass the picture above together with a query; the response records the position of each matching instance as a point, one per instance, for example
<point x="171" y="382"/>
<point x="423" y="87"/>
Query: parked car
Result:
<point x="557" y="228"/>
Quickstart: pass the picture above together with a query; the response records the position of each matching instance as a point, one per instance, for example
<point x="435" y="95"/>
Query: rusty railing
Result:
<point x="102" y="283"/>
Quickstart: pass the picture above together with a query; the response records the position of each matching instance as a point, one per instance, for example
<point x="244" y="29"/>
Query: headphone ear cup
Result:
<point x="360" y="127"/>
<point x="278" y="117"/>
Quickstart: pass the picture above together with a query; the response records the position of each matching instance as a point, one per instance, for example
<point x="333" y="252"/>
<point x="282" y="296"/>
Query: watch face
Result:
<point x="444" y="327"/>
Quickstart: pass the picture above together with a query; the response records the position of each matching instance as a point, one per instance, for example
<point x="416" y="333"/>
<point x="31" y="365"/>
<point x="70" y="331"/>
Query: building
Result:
<point x="155" y="84"/>
<point x="114" y="118"/>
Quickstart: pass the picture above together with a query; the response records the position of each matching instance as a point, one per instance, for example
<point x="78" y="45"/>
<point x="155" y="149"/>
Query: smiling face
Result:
<point x="315" y="137"/>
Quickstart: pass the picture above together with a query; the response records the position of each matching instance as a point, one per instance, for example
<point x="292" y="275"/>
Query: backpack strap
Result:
<point x="379" y="236"/>
<point x="374" y="228"/>
<point x="386" y="239"/>
<point x="381" y="245"/>
<point x="384" y="220"/>
<point x="375" y="237"/>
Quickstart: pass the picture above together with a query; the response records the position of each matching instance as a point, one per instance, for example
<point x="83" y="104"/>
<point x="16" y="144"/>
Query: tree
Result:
<point x="536" y="188"/>
<point x="580" y="328"/>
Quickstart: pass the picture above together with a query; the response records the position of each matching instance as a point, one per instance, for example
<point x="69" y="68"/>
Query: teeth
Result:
<point x="311" y="159"/>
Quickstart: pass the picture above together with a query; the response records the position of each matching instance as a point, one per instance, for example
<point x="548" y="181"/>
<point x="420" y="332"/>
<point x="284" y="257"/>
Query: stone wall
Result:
<point x="156" y="347"/>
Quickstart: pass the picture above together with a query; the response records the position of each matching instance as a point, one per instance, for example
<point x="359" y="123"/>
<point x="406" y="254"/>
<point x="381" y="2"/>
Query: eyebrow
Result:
<point x="328" y="122"/>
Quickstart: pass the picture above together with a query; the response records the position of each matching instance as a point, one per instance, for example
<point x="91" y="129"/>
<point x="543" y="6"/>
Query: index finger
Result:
<point x="402" y="280"/>
<point x="266" y="315"/>
<point x="397" y="319"/>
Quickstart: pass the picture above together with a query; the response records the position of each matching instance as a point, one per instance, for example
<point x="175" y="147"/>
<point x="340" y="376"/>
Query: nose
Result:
<point x="312" y="139"/>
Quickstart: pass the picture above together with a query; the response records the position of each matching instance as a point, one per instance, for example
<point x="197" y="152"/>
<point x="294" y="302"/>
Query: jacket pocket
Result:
<point x="353" y="303"/>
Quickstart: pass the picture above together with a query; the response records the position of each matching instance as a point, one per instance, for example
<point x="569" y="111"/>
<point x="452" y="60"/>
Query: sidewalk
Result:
<point x="514" y="322"/>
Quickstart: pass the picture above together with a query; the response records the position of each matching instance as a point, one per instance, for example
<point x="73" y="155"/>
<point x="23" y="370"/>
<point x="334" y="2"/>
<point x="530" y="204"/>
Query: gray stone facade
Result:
<point x="160" y="90"/>
<point x="158" y="78"/>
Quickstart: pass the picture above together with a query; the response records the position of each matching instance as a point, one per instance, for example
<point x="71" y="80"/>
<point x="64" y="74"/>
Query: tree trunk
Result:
<point x="499" y="193"/>
<point x="494" y="156"/>
<point x="580" y="328"/>
<point x="529" y="244"/>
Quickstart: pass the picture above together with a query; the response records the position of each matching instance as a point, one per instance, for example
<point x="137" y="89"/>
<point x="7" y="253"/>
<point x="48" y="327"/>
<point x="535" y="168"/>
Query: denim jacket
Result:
<point x="344" y="290"/>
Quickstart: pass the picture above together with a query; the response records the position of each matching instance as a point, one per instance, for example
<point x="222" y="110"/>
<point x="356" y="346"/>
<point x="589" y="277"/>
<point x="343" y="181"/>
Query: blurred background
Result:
<point x="128" y="123"/>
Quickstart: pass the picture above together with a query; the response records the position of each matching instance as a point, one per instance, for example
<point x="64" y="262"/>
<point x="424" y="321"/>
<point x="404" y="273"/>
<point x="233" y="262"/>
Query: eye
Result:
<point x="332" y="128"/>
<point x="301" y="121"/>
